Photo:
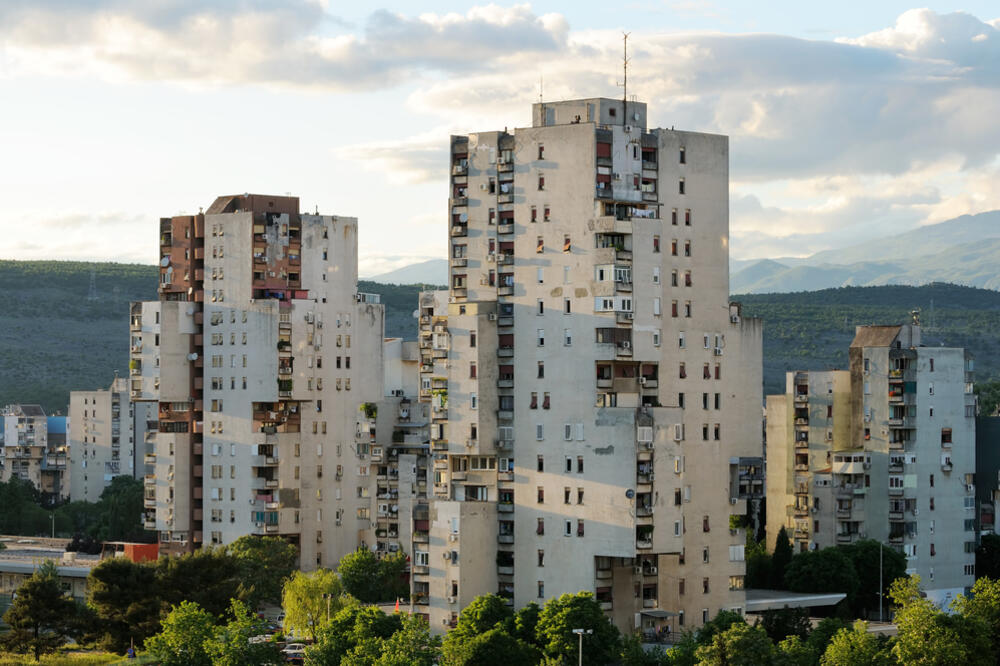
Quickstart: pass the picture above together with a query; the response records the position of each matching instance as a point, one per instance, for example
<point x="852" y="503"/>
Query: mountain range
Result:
<point x="964" y="250"/>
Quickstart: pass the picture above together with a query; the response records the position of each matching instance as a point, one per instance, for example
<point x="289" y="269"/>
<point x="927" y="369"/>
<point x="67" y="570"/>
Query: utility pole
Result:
<point x="880" y="581"/>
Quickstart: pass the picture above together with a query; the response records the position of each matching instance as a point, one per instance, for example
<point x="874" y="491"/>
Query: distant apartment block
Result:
<point x="595" y="400"/>
<point x="33" y="448"/>
<point x="885" y="450"/>
<point x="105" y="427"/>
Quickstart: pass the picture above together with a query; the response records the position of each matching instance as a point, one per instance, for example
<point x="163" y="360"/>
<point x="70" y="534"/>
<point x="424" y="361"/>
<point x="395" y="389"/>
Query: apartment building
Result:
<point x="257" y="356"/>
<point x="29" y="453"/>
<point x="595" y="398"/>
<point x="885" y="450"/>
<point x="103" y="435"/>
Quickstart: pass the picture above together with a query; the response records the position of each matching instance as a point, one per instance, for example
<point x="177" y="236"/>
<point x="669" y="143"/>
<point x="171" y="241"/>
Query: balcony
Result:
<point x="505" y="352"/>
<point x="505" y="507"/>
<point x="843" y="513"/>
<point x="505" y="197"/>
<point x="896" y="516"/>
<point x="643" y="544"/>
<point x="505" y="228"/>
<point x="505" y="538"/>
<point x="460" y="201"/>
<point x="505" y="383"/>
<point x="505" y="290"/>
<point x="459" y="262"/>
<point x="504" y="167"/>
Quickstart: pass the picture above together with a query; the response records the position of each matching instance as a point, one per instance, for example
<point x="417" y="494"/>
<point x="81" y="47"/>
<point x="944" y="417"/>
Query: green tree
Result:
<point x="989" y="396"/>
<point x="562" y="615"/>
<point x="125" y="598"/>
<point x="739" y="645"/>
<point x="186" y="631"/>
<point x="855" y="646"/>
<point x="988" y="556"/>
<point x="395" y="584"/>
<point x="983" y="605"/>
<point x="361" y="575"/>
<point x="928" y="636"/>
<point x="784" y="622"/>
<point x="120" y="511"/>
<point x="826" y="570"/>
<point x="263" y="565"/>
<point x="209" y="576"/>
<point x="780" y="560"/>
<point x="721" y="622"/>
<point x="306" y="609"/>
<point x="231" y="645"/>
<point x="351" y="627"/>
<point x="864" y="556"/>
<point x="793" y="651"/>
<point x="526" y="623"/>
<point x="495" y="647"/>
<point x="40" y="616"/>
<point x="823" y="633"/>
<point x="412" y="645"/>
<point x="758" y="565"/>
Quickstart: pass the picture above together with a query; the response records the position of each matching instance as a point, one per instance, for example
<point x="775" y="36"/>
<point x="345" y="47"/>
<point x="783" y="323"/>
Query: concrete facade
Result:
<point x="593" y="392"/>
<point x="885" y="450"/>
<point x="262" y="352"/>
<point x="102" y="438"/>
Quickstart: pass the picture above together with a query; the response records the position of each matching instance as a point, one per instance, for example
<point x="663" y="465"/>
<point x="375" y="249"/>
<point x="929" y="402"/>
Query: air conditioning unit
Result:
<point x="258" y="524"/>
<point x="718" y="351"/>
<point x="970" y="488"/>
<point x="734" y="319"/>
<point x="445" y="621"/>
<point x="490" y="258"/>
<point x="862" y="535"/>
<point x="628" y="129"/>
<point x="493" y="315"/>
<point x="648" y="445"/>
<point x="445" y="556"/>
<point x="452" y="537"/>
<point x="642" y="381"/>
<point x="626" y="344"/>
<point x="734" y="500"/>
<point x="651" y="571"/>
<point x="637" y="571"/>
<point x="814" y="510"/>
<point x="483" y="186"/>
<point x="309" y="317"/>
<point x="319" y="323"/>
<point x="916" y="512"/>
<point x="866" y="465"/>
<point x="451" y="600"/>
<point x="652" y="476"/>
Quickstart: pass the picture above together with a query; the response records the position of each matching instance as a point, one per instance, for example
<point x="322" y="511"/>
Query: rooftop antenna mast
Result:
<point x="540" y="82"/>
<point x="624" y="83"/>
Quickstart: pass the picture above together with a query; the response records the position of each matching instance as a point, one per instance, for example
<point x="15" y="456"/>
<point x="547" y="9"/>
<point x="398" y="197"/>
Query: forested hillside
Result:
<point x="812" y="330"/>
<point x="54" y="339"/>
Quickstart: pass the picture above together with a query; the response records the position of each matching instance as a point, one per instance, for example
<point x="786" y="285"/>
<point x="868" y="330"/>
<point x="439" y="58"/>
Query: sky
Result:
<point x="848" y="121"/>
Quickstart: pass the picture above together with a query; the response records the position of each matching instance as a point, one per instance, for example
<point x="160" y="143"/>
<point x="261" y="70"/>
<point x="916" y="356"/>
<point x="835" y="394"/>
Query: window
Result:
<point x="540" y="245"/>
<point x="687" y="248"/>
<point x="579" y="464"/>
<point x="540" y="275"/>
<point x="472" y="370"/>
<point x="682" y="370"/>
<point x="687" y="217"/>
<point x="673" y="217"/>
<point x="541" y="463"/>
<point x="704" y="554"/>
<point x="541" y="369"/>
<point x="541" y="558"/>
<point x="680" y="186"/>
<point x="579" y="527"/>
<point x="568" y="528"/>
<point x="541" y="495"/>
<point x="540" y="529"/>
<point x="656" y="306"/>
<point x="567" y="337"/>
<point x="656" y="244"/>
<point x="567" y="306"/>
<point x="673" y="308"/>
<point x="945" y="436"/>
<point x="539" y="432"/>
<point x="541" y="589"/>
<point x="541" y="182"/>
<point x="579" y="495"/>
<point x="673" y="247"/>
<point x="541" y="337"/>
<point x="683" y="156"/>
<point x="541" y="306"/>
<point x="656" y="337"/>
<point x="567" y="244"/>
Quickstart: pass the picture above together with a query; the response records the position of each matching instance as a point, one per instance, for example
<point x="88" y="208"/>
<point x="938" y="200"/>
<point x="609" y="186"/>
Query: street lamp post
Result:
<point x="328" y="596"/>
<point x="580" y="633"/>
<point x="53" y="517"/>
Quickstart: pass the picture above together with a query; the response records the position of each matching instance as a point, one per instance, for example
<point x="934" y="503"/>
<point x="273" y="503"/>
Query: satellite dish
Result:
<point x="165" y="261"/>
<point x="630" y="493"/>
<point x="193" y="356"/>
<point x="463" y="217"/>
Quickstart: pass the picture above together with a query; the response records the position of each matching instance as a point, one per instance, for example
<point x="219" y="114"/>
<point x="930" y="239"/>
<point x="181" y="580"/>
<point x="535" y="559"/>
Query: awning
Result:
<point x="658" y="613"/>
<point x="759" y="601"/>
